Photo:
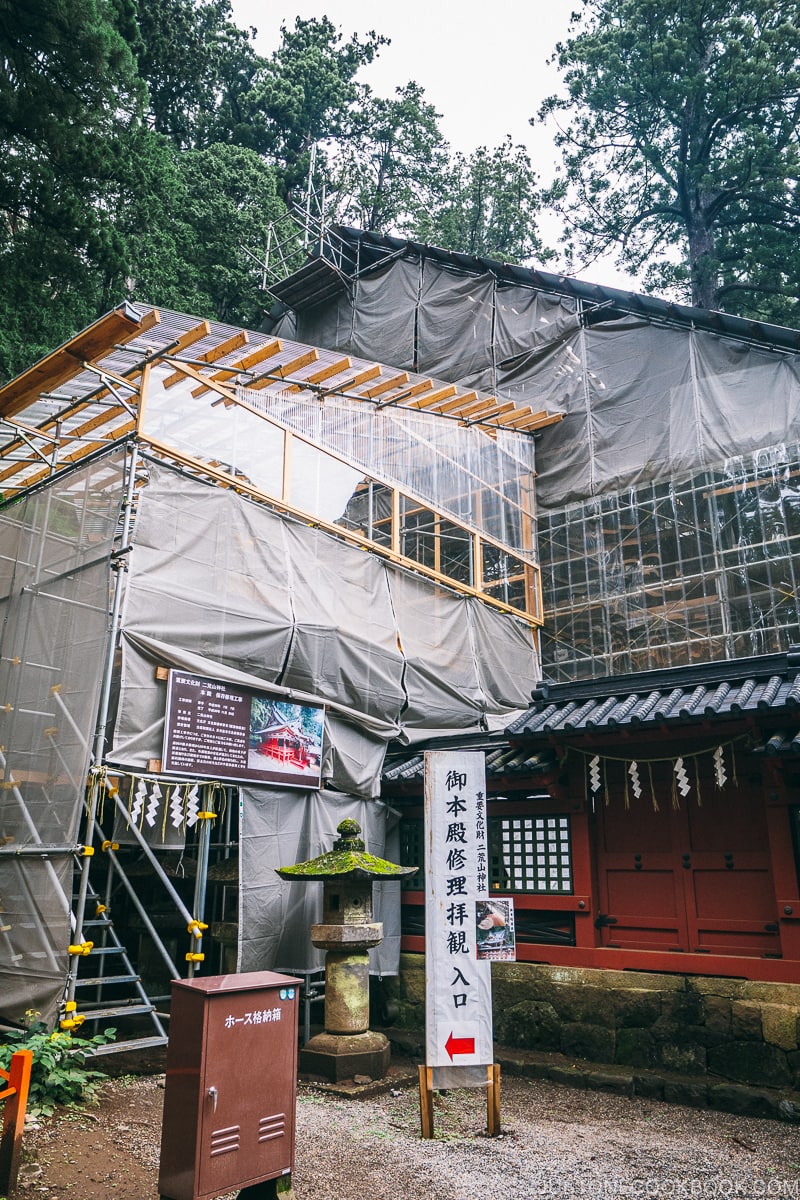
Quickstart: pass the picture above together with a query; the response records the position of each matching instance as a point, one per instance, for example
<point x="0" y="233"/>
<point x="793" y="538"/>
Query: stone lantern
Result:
<point x="347" y="1047"/>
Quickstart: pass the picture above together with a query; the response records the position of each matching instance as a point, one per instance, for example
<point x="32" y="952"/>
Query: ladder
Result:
<point x="109" y="969"/>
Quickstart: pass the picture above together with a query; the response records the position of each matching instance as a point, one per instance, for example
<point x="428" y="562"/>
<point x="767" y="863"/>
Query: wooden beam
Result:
<point x="268" y="350"/>
<point x="490" y="416"/>
<point x="296" y="364"/>
<point x="517" y="415"/>
<point x="459" y="402"/>
<point x="191" y="337"/>
<point x="354" y="381"/>
<point x="540" y="420"/>
<point x="334" y="368"/>
<point x="417" y="389"/>
<point x="213" y="355"/>
<point x="478" y="407"/>
<point x="67" y="361"/>
<point x="435" y="398"/>
<point x="387" y="385"/>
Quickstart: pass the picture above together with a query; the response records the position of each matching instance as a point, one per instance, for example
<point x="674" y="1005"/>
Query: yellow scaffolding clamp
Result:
<point x="81" y="949"/>
<point x="72" y="1019"/>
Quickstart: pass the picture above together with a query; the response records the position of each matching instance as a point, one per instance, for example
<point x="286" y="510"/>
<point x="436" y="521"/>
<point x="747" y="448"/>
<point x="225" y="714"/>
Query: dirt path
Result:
<point x="558" y="1142"/>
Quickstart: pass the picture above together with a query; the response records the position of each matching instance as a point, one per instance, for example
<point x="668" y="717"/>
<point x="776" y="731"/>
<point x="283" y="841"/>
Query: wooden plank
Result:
<point x="477" y="412"/>
<point x="417" y="389"/>
<point x="540" y="420"/>
<point x="426" y="1100"/>
<point x="335" y="368"/>
<point x="65" y="363"/>
<point x="485" y="417"/>
<point x="435" y="398"/>
<point x="191" y="337"/>
<point x="296" y="364"/>
<point x="387" y="385"/>
<point x="517" y="415"/>
<point x="354" y="381"/>
<point x="268" y="350"/>
<point x="235" y="342"/>
<point x="459" y="402"/>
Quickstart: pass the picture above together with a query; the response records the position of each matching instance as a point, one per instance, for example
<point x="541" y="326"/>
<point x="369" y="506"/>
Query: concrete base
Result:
<point x="336" y="1056"/>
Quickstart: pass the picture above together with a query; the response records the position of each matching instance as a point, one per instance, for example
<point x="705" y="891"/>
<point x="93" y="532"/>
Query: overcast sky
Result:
<point x="482" y="65"/>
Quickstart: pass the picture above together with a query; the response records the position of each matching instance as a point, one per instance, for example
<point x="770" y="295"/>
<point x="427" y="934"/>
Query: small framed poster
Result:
<point x="218" y="730"/>
<point x="495" y="935"/>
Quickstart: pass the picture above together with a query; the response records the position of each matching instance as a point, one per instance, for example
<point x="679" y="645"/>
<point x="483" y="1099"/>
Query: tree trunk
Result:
<point x="702" y="262"/>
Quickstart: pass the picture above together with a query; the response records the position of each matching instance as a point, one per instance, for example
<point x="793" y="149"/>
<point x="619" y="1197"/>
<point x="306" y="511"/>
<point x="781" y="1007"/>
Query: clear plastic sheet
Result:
<point x="699" y="568"/>
<point x="643" y="402"/>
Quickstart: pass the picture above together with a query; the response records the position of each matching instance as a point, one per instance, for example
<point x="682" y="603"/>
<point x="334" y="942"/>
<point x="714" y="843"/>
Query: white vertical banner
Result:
<point x="458" y="1008"/>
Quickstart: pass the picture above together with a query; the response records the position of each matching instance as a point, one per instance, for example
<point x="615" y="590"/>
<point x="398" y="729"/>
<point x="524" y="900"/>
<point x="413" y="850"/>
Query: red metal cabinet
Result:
<point x="229" y="1102"/>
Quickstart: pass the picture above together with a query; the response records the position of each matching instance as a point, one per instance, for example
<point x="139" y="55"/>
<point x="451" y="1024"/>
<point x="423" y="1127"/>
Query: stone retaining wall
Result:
<point x="711" y="1030"/>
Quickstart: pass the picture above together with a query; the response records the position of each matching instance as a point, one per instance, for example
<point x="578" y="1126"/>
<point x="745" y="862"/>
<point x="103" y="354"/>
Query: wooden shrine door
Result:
<point x="695" y="878"/>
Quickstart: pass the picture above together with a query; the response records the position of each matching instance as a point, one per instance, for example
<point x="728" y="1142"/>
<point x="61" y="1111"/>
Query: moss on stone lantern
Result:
<point x="347" y="1047"/>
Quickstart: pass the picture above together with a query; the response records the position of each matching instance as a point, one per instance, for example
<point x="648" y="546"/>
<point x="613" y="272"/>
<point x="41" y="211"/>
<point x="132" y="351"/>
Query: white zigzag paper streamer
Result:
<point x="719" y="767"/>
<point x="176" y="808"/>
<point x="684" y="787"/>
<point x="139" y="797"/>
<point x="636" y="783"/>
<point x="594" y="773"/>
<point x="192" y="806"/>
<point x="154" y="805"/>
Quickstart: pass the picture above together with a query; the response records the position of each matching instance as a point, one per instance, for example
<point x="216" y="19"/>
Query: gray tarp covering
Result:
<point x="278" y="829"/>
<point x="355" y="742"/>
<point x="225" y="588"/>
<point x="54" y="547"/>
<point x="641" y="401"/>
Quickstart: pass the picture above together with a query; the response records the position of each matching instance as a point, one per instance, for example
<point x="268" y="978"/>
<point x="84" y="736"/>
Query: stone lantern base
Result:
<point x="337" y="1056"/>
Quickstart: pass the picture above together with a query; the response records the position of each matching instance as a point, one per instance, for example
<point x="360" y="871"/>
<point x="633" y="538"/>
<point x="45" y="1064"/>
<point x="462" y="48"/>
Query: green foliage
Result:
<point x="488" y="206"/>
<point x="69" y="95"/>
<point x="680" y="145"/>
<point x="195" y="62"/>
<point x="59" y="1074"/>
<point x="388" y="169"/>
<point x="191" y="230"/>
<point x="306" y="93"/>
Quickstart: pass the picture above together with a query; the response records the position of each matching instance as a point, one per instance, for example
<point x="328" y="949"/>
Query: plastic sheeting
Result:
<point x="224" y="587"/>
<point x="642" y="402"/>
<point x="278" y="829"/>
<point x="228" y="589"/>
<point x="700" y="568"/>
<point x="55" y="547"/>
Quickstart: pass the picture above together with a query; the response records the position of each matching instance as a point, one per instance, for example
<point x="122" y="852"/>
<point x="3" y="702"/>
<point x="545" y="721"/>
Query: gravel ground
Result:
<point x="556" y="1142"/>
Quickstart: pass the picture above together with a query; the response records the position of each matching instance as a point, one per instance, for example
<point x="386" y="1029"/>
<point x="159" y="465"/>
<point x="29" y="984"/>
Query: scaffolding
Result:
<point x="699" y="568"/>
<point x="177" y="492"/>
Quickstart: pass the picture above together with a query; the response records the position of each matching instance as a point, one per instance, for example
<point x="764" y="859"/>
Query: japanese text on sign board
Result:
<point x="458" y="1017"/>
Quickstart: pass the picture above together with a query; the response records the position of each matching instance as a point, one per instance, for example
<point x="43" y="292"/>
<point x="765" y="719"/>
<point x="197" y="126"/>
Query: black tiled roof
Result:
<point x="375" y="249"/>
<point x="714" y="691"/>
<point x="501" y="762"/>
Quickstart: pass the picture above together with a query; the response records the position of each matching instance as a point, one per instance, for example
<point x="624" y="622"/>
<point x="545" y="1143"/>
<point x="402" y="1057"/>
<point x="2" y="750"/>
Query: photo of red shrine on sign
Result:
<point x="221" y="731"/>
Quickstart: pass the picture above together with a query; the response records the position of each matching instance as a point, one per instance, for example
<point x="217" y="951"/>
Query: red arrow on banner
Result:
<point x="455" y="1045"/>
